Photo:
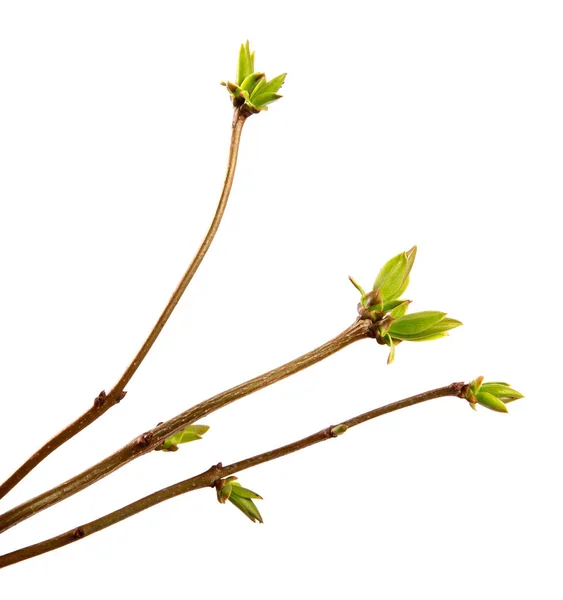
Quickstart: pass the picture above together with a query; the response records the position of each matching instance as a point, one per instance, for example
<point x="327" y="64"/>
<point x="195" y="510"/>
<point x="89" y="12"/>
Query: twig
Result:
<point x="104" y="401"/>
<point x="209" y="477"/>
<point x="149" y="440"/>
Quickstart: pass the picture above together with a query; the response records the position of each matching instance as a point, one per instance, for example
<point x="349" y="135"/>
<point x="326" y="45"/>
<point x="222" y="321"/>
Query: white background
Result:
<point x="429" y="123"/>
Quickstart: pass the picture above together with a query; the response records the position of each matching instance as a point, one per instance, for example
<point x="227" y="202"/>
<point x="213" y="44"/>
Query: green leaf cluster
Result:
<point x="190" y="434"/>
<point x="251" y="89"/>
<point x="384" y="306"/>
<point x="494" y="395"/>
<point x="241" y="497"/>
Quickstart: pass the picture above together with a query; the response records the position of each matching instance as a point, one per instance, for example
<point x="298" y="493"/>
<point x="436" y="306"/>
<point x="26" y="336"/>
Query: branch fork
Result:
<point x="382" y="316"/>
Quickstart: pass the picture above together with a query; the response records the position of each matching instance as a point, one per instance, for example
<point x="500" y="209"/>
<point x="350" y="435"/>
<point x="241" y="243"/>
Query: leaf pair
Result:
<point x="422" y="326"/>
<point x="189" y="434"/>
<point x="251" y="89"/>
<point x="493" y="395"/>
<point x="231" y="490"/>
<point x="385" y="308"/>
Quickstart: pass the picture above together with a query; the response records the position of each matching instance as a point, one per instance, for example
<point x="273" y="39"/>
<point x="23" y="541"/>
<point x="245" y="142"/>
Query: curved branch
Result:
<point x="149" y="440"/>
<point x="209" y="477"/>
<point x="105" y="401"/>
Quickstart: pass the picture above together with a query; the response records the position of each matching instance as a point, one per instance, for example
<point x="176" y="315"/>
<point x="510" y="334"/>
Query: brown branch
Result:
<point x="105" y="401"/>
<point x="209" y="477"/>
<point x="149" y="440"/>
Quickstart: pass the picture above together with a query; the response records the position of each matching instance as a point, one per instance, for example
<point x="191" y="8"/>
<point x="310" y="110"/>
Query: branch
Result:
<point x="149" y="440"/>
<point x="105" y="401"/>
<point x="212" y="475"/>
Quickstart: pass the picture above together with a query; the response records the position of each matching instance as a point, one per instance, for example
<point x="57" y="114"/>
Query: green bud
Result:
<point x="191" y="433"/>
<point x="489" y="401"/>
<point x="339" y="430"/>
<point x="251" y="88"/>
<point x="231" y="490"/>
<point x="393" y="276"/>
<point x="492" y="394"/>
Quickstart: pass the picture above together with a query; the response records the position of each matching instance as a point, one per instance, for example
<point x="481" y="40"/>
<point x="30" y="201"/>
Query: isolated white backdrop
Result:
<point x="434" y="123"/>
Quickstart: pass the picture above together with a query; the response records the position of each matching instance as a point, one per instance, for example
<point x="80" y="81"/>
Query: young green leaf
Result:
<point x="250" y="82"/>
<point x="262" y="99"/>
<point x="445" y="325"/>
<point x="411" y="255"/>
<point x="402" y="289"/>
<point x="245" y="63"/>
<point x="244" y="492"/>
<point x="393" y="276"/>
<point x="391" y="304"/>
<point x="489" y="401"/>
<point x="502" y="391"/>
<point x="191" y="433"/>
<point x="425" y="336"/>
<point x="247" y="507"/>
<point x="400" y="310"/>
<point x="415" y="323"/>
<point x="434" y="332"/>
<point x="357" y="285"/>
<point x="271" y="86"/>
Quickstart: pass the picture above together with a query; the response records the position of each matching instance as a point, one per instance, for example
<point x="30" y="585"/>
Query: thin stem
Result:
<point x="105" y="401"/>
<point x="149" y="440"/>
<point x="209" y="477"/>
